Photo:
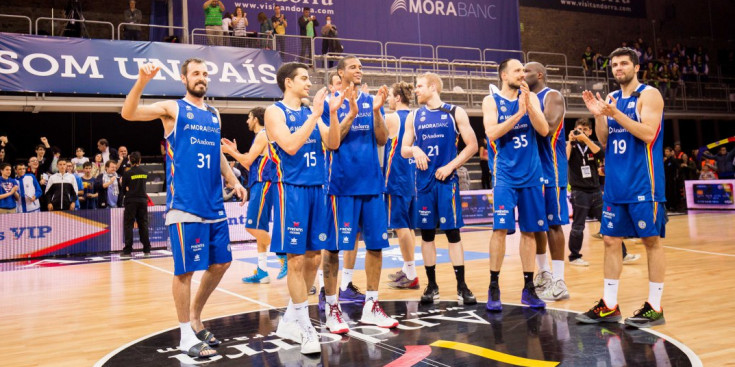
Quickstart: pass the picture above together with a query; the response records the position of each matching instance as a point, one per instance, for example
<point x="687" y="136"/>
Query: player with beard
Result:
<point x="298" y="137"/>
<point x="552" y="150"/>
<point x="195" y="215"/>
<point x="512" y="120"/>
<point x="629" y="124"/>
<point x="355" y="192"/>
<point x="400" y="186"/>
<point x="261" y="168"/>
<point x="431" y="137"/>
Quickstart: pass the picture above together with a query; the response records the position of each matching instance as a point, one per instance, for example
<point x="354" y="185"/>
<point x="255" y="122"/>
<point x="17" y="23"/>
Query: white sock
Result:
<point x="188" y="338"/>
<point x="320" y="278"/>
<point x="410" y="269"/>
<point x="611" y="292"/>
<point x="302" y="313"/>
<point x="371" y="295"/>
<point x="346" y="278"/>
<point x="404" y="268"/>
<point x="263" y="261"/>
<point x="331" y="299"/>
<point x="557" y="267"/>
<point x="543" y="265"/>
<point x="655" y="291"/>
<point x="290" y="314"/>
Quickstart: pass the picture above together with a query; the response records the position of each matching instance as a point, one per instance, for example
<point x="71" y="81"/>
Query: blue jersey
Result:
<point x="354" y="167"/>
<point x="635" y="170"/>
<point x="552" y="150"/>
<point x="399" y="172"/>
<point x="262" y="167"/>
<point x="306" y="167"/>
<point x="436" y="134"/>
<point x="193" y="162"/>
<point x="516" y="162"/>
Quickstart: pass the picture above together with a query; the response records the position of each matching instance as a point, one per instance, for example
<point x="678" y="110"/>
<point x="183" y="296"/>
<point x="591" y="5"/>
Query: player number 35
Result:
<point x="519" y="141"/>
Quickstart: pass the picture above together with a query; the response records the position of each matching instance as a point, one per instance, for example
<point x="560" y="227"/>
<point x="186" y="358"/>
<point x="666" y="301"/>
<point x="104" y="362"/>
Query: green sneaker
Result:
<point x="646" y="317"/>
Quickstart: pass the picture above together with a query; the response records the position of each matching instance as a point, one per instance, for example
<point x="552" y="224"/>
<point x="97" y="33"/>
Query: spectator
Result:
<point x="688" y="72"/>
<point x="97" y="165"/>
<point x="7" y="148"/>
<point x="123" y="163"/>
<point x="677" y="150"/>
<point x="8" y="190"/>
<point x="44" y="155"/>
<point x="89" y="187"/>
<point x="239" y="24"/>
<point x="78" y="162"/>
<point x="648" y="56"/>
<point x="708" y="172"/>
<point x="307" y="24"/>
<point x="110" y="185"/>
<point x="688" y="169"/>
<point x="55" y="156"/>
<point x="61" y="190"/>
<point x="33" y="168"/>
<point x="664" y="79"/>
<point x="29" y="190"/>
<point x="132" y="15"/>
<point x="650" y="75"/>
<point x="226" y="28"/>
<point x="266" y="30"/>
<point x="674" y="83"/>
<point x="107" y="152"/>
<point x="330" y="43"/>
<point x="2" y="156"/>
<point x="725" y="163"/>
<point x="701" y="69"/>
<point x="671" y="170"/>
<point x="484" y="165"/>
<point x="213" y="10"/>
<point x="279" y="26"/>
<point x="78" y="178"/>
<point x="588" y="61"/>
<point x="136" y="206"/>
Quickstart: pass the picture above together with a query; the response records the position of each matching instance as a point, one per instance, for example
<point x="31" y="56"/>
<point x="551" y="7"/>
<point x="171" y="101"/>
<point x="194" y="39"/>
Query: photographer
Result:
<point x="583" y="154"/>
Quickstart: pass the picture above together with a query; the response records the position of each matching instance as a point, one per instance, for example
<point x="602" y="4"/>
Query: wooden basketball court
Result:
<point x="76" y="315"/>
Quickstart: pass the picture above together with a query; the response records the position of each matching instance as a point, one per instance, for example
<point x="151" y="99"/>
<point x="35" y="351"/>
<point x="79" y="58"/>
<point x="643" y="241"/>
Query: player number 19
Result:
<point x="201" y="158"/>
<point x="619" y="146"/>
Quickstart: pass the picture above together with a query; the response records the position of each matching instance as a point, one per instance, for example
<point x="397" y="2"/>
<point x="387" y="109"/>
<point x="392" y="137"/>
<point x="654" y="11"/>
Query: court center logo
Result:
<point x="398" y="4"/>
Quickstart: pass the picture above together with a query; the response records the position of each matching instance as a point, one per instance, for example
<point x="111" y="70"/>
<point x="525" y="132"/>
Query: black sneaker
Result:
<point x="493" y="298"/>
<point x="431" y="293"/>
<point x="646" y="316"/>
<point x="126" y="255"/>
<point x="600" y="313"/>
<point x="465" y="295"/>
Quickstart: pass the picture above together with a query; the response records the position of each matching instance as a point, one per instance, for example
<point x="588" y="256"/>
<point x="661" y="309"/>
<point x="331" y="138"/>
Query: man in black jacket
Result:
<point x="135" y="201"/>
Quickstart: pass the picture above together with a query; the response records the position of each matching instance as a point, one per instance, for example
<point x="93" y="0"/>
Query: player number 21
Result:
<point x="310" y="159"/>
<point x="201" y="158"/>
<point x="519" y="141"/>
<point x="433" y="150"/>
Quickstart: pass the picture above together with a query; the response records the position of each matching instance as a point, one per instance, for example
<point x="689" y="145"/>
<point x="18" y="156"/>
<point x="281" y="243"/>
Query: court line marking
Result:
<point x="699" y="251"/>
<point x="493" y="355"/>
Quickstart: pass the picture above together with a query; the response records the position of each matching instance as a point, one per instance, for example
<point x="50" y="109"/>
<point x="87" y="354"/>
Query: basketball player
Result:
<point x="629" y="123"/>
<point x="355" y="193"/>
<point x="552" y="150"/>
<point x="512" y="120"/>
<point x="400" y="185"/>
<point x="300" y="215"/>
<point x="195" y="214"/>
<point x="260" y="166"/>
<point x="430" y="138"/>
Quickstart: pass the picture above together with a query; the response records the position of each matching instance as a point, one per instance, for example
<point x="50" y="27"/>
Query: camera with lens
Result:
<point x="576" y="132"/>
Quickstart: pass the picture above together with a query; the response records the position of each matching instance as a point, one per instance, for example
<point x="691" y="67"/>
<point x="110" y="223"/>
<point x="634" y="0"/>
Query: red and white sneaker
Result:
<point x="335" y="322"/>
<point x="373" y="314"/>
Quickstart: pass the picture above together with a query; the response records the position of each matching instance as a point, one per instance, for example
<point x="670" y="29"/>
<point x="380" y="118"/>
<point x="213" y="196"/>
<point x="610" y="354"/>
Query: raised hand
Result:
<point x="380" y="97"/>
<point x="591" y="102"/>
<point x="148" y="71"/>
<point x="336" y="101"/>
<point x="351" y="96"/>
<point x="229" y="146"/>
<point x="317" y="106"/>
<point x="607" y="109"/>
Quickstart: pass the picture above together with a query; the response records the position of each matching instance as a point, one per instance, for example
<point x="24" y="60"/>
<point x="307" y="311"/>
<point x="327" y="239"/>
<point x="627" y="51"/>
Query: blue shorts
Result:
<point x="352" y="214"/>
<point x="557" y="209"/>
<point x="401" y="211"/>
<point x="531" y="208"/>
<point x="196" y="246"/>
<point x="641" y="220"/>
<point x="441" y="205"/>
<point x="260" y="206"/>
<point x="300" y="218"/>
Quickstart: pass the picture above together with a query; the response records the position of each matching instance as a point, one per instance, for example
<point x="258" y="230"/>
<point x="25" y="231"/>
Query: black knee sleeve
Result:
<point x="453" y="235"/>
<point x="334" y="252"/>
<point x="378" y="250"/>
<point x="427" y="235"/>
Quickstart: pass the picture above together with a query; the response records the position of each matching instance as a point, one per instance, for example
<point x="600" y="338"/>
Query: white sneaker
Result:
<point x="542" y="281"/>
<point x="579" y="262"/>
<point x="373" y="314"/>
<point x="309" y="339"/>
<point x="556" y="291"/>
<point x="288" y="330"/>
<point x="631" y="258"/>
<point x="335" y="323"/>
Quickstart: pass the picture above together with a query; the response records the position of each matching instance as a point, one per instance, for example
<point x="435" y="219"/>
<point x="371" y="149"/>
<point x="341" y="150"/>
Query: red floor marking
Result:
<point x="414" y="354"/>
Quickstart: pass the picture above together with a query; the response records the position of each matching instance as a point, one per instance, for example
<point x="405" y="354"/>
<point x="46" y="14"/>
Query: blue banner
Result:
<point x="89" y="66"/>
<point x="472" y="23"/>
